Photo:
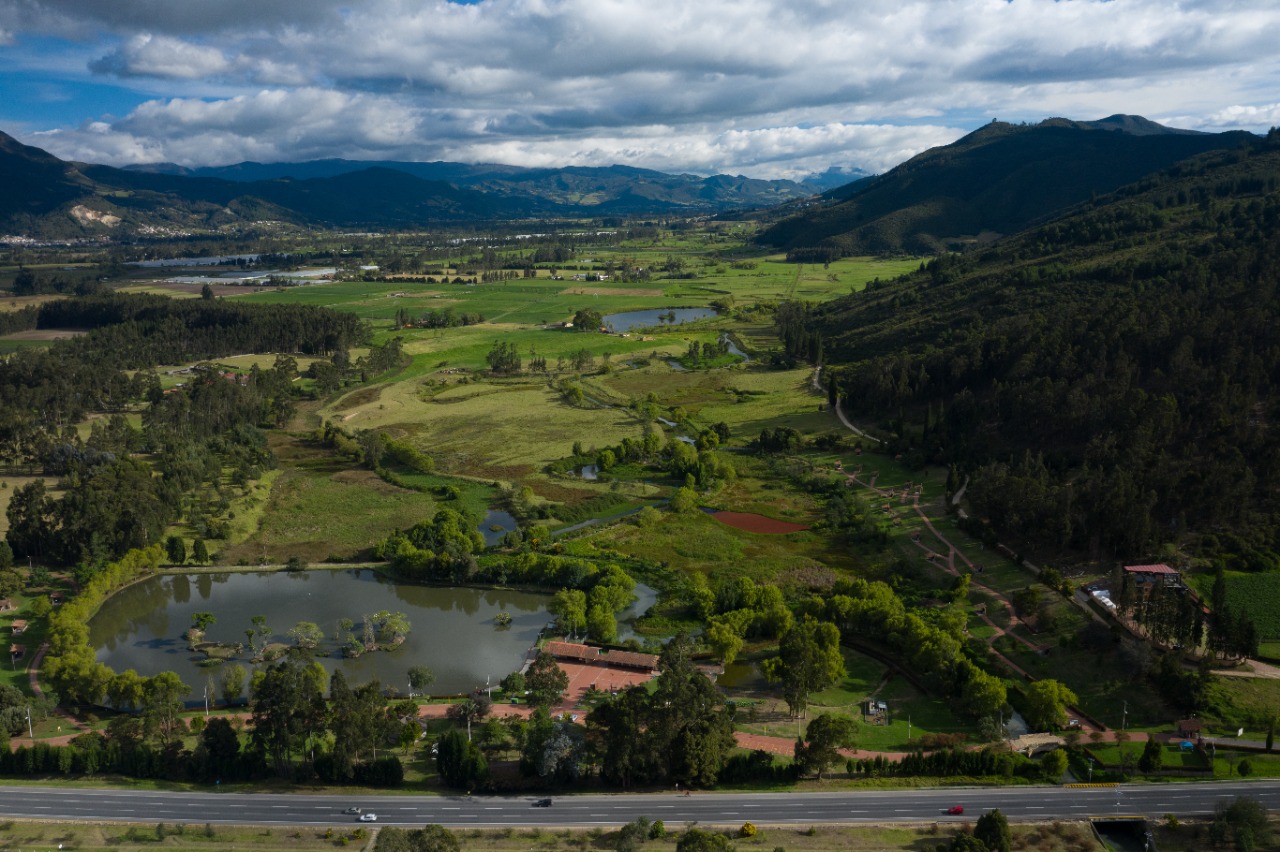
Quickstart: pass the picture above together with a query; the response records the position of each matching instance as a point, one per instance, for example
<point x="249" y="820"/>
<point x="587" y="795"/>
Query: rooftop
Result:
<point x="1150" y="569"/>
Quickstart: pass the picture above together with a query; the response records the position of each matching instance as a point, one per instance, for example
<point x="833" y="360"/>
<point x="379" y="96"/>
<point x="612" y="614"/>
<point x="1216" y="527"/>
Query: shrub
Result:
<point x="748" y="830"/>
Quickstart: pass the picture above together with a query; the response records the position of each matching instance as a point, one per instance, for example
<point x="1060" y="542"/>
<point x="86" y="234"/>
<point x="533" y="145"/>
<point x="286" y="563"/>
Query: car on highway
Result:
<point x="955" y="810"/>
<point x="354" y="811"/>
<point x="368" y="817"/>
<point x="542" y="803"/>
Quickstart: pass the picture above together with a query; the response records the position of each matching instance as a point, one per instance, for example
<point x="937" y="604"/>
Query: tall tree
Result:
<point x="545" y="680"/>
<point x="287" y="710"/>
<point x="809" y="660"/>
<point x="992" y="829"/>
<point x="824" y="738"/>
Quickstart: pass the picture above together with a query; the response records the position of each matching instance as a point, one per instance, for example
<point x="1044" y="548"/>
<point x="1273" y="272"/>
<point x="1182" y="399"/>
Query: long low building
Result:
<point x="592" y="654"/>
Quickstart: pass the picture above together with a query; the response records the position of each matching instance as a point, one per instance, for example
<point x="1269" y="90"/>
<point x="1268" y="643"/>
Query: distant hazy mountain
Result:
<point x="833" y="178"/>
<point x="45" y="196"/>
<point x="997" y="180"/>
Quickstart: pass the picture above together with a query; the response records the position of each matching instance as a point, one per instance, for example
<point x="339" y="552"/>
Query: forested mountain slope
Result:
<point x="995" y="181"/>
<point x="1111" y="379"/>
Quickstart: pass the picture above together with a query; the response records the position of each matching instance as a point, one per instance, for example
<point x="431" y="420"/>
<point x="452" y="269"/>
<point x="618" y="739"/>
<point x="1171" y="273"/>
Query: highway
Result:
<point x="1019" y="803"/>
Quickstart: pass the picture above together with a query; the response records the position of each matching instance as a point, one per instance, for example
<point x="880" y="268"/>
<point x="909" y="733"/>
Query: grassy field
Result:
<point x="1255" y="595"/>
<point x="320" y="507"/>
<point x="195" y="837"/>
<point x="11" y="482"/>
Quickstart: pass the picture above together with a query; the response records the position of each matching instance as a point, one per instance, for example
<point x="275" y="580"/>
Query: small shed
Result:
<point x="19" y="626"/>
<point x="1189" y="727"/>
<point x="17" y="652"/>
<point x="6" y="605"/>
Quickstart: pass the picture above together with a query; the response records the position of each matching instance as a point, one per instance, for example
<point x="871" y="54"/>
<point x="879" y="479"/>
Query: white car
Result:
<point x="368" y="817"/>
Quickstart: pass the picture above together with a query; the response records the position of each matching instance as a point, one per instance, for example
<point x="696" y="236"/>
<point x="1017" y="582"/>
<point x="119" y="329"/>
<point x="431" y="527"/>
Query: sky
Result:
<point x="763" y="88"/>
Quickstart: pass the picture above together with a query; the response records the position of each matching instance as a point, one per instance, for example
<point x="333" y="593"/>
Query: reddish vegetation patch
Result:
<point x="757" y="523"/>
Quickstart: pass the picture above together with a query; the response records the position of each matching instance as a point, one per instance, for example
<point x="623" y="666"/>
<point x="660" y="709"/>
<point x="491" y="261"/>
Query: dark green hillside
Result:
<point x="34" y="182"/>
<point x="995" y="181"/>
<point x="1111" y="379"/>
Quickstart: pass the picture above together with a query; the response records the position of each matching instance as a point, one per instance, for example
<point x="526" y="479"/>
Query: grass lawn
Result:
<point x="196" y="837"/>
<point x="188" y="837"/>
<point x="1236" y="702"/>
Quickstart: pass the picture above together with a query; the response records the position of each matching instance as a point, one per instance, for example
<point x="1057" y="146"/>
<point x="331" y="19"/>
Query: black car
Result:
<point x="542" y="803"/>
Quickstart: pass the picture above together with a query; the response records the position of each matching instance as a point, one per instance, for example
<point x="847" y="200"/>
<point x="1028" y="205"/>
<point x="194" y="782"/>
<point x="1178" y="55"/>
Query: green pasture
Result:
<point x="698" y="542"/>
<point x="1236" y="702"/>
<point x="1255" y="595"/>
<point x="319" y="507"/>
<point x="542" y="300"/>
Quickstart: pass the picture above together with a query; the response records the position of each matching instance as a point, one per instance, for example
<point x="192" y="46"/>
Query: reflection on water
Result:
<point x="504" y="521"/>
<point x="657" y="317"/>
<point x="452" y="628"/>
<point x="740" y="675"/>
<point x="453" y="631"/>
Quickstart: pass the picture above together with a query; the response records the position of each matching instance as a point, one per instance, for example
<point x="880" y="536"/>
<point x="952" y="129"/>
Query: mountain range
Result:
<point x="48" y="197"/>
<point x="997" y="180"/>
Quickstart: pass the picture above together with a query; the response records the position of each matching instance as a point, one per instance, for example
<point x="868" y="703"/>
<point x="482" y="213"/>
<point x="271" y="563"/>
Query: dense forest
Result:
<point x="1109" y="379"/>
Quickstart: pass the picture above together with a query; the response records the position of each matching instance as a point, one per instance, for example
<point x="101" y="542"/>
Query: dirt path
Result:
<point x="33" y="679"/>
<point x="1258" y="668"/>
<point x="948" y="562"/>
<point x="787" y="746"/>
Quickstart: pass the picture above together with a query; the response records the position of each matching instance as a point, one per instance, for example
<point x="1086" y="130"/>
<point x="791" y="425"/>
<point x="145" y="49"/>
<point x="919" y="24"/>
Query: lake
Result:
<point x="657" y="317"/>
<point x="452" y="630"/>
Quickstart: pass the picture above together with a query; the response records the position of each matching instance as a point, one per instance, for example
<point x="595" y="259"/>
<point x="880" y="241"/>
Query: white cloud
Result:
<point x="147" y="55"/>
<point x="758" y="86"/>
<point x="1258" y="118"/>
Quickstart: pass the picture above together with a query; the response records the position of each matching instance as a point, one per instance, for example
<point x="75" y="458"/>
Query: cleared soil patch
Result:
<point x="757" y="523"/>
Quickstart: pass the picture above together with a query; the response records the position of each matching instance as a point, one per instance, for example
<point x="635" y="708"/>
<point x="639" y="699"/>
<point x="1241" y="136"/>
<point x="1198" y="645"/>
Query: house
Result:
<point x="19" y="626"/>
<point x="1147" y="577"/>
<point x="876" y="711"/>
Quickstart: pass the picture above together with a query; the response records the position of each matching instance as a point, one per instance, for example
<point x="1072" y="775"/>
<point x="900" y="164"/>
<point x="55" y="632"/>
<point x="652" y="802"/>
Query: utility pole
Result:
<point x="30" y="730"/>
<point x="206" y="701"/>
<point x="1124" y="720"/>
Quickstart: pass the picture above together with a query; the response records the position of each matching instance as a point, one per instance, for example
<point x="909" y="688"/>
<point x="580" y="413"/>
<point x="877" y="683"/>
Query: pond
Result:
<point x="657" y="317"/>
<point x="452" y="629"/>
<point x="496" y="525"/>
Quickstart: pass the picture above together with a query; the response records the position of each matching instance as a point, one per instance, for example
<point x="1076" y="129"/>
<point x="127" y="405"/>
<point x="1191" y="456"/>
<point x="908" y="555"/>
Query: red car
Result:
<point x="955" y="810"/>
